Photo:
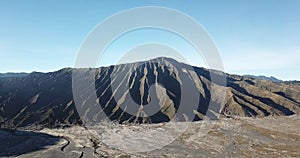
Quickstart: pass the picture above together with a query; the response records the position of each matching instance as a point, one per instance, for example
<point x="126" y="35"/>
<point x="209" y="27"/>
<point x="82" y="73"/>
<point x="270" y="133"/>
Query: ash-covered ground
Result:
<point x="277" y="136"/>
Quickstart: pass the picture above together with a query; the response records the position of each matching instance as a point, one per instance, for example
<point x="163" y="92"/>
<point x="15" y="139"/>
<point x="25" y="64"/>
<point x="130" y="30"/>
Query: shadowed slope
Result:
<point x="14" y="142"/>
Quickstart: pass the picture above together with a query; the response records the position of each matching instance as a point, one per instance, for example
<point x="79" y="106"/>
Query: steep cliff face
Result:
<point x="128" y="93"/>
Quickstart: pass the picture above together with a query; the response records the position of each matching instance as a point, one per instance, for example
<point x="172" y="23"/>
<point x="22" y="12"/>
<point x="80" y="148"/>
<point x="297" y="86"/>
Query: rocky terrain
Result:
<point x="277" y="136"/>
<point x="47" y="99"/>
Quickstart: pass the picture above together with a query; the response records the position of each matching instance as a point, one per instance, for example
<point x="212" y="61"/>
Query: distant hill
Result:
<point x="10" y="74"/>
<point x="261" y="77"/>
<point x="292" y="82"/>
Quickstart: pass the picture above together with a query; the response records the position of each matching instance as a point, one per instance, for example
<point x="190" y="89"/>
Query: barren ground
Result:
<point x="277" y="136"/>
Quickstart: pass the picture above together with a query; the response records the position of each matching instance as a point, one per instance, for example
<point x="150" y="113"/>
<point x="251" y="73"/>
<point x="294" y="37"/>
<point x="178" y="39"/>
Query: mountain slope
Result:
<point x="47" y="98"/>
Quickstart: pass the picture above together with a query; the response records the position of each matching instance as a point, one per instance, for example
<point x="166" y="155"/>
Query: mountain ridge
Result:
<point x="47" y="98"/>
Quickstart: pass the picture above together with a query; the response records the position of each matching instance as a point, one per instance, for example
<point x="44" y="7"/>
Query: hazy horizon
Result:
<point x="138" y="61"/>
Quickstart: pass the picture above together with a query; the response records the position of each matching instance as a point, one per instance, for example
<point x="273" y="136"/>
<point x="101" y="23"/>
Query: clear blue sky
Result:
<point x="259" y="37"/>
